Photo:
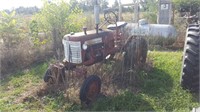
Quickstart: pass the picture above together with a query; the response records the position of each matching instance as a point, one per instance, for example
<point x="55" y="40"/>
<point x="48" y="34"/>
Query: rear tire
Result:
<point x="190" y="63"/>
<point x="135" y="52"/>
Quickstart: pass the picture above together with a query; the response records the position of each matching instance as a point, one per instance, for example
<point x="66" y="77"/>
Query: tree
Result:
<point x="192" y="6"/>
<point x="9" y="30"/>
<point x="73" y="3"/>
<point x="59" y="18"/>
<point x="103" y="4"/>
<point x="86" y="5"/>
<point x="116" y="4"/>
<point x="27" y="10"/>
<point x="151" y="10"/>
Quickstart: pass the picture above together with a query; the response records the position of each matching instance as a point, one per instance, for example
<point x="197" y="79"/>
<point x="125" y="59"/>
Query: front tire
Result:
<point x="90" y="89"/>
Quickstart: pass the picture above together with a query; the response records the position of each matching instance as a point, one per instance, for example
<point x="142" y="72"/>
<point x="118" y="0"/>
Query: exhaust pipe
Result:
<point x="96" y="14"/>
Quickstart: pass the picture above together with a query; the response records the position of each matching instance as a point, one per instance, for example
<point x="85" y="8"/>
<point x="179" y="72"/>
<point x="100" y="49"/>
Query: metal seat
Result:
<point x="115" y="26"/>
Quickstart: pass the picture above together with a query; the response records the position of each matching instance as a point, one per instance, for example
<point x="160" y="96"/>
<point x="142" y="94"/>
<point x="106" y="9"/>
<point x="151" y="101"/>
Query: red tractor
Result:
<point x="90" y="47"/>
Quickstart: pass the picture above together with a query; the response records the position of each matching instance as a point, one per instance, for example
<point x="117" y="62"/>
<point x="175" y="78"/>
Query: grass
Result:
<point x="13" y="87"/>
<point x="159" y="90"/>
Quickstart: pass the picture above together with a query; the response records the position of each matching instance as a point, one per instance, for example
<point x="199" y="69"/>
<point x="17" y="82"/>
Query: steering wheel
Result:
<point x="110" y="17"/>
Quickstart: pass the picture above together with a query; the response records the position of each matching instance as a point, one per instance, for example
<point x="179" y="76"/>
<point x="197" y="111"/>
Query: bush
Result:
<point x="59" y="18"/>
<point x="22" y="56"/>
<point x="191" y="6"/>
<point x="22" y="46"/>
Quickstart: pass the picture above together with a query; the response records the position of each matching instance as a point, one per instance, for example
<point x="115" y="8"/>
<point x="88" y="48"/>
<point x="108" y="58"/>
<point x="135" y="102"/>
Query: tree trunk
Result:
<point x="57" y="44"/>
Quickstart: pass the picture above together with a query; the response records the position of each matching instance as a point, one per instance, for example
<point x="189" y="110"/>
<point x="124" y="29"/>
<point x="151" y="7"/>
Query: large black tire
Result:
<point x="190" y="64"/>
<point x="135" y="52"/>
<point x="90" y="89"/>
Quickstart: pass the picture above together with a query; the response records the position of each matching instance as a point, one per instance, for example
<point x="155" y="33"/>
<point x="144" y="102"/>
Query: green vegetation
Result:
<point x="27" y="39"/>
<point x="191" y="6"/>
<point x="159" y="90"/>
<point x="14" y="86"/>
<point x="58" y="18"/>
<point x="10" y="32"/>
<point x="150" y="11"/>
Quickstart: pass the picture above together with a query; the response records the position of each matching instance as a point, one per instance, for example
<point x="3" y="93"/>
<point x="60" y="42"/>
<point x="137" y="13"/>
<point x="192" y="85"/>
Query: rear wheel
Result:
<point x="90" y="89"/>
<point x="135" y="52"/>
<point x="190" y="66"/>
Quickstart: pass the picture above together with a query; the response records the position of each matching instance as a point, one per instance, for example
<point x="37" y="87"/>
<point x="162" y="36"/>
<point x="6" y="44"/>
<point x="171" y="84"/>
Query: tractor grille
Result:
<point x="72" y="51"/>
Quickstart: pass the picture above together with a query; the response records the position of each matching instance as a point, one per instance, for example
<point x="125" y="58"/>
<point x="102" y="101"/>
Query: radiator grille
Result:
<point x="72" y="51"/>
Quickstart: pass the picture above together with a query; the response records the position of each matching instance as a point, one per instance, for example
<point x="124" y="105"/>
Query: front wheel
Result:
<point x="90" y="89"/>
<point x="54" y="75"/>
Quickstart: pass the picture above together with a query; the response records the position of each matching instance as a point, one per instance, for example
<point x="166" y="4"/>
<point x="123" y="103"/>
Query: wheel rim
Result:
<point x="93" y="91"/>
<point x="90" y="89"/>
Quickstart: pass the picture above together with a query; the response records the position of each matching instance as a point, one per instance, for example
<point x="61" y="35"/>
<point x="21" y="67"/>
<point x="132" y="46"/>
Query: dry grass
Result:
<point x="154" y="88"/>
<point x="22" y="56"/>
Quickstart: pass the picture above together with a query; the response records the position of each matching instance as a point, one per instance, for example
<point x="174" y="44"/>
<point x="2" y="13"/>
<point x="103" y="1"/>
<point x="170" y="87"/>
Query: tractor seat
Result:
<point x="114" y="27"/>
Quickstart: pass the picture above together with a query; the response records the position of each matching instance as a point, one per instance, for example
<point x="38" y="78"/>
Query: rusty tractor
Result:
<point x="87" y="48"/>
<point x="90" y="47"/>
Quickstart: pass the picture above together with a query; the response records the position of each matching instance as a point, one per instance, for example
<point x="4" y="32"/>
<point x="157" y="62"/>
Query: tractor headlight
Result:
<point x="84" y="46"/>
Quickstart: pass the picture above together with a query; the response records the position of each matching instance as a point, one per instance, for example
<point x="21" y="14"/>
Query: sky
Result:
<point x="12" y="4"/>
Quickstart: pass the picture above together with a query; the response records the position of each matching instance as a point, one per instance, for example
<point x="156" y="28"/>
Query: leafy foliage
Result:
<point x="34" y="31"/>
<point x="57" y="16"/>
<point x="9" y="29"/>
<point x="24" y="10"/>
<point x="150" y="10"/>
<point x="87" y="5"/>
<point x="116" y="4"/>
<point x="187" y="5"/>
<point x="75" y="21"/>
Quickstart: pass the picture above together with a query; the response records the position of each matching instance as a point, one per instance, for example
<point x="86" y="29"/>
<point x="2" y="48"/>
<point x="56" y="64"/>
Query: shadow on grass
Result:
<point x="127" y="101"/>
<point x="121" y="89"/>
<point x="149" y="80"/>
<point x="155" y="83"/>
